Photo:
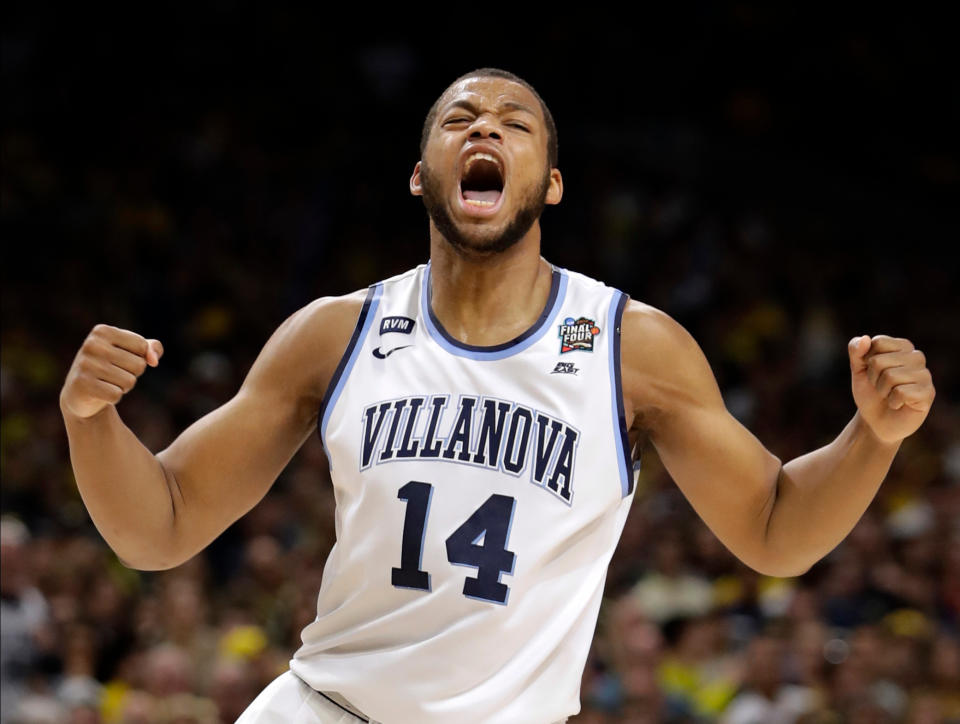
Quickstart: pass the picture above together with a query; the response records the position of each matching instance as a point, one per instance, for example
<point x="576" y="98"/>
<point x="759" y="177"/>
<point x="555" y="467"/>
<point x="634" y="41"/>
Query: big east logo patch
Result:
<point x="577" y="334"/>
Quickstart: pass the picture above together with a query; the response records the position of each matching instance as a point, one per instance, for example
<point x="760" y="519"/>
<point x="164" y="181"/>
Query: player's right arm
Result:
<point x="158" y="510"/>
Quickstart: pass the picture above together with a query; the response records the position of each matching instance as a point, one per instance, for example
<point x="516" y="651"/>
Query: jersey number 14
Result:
<point x="481" y="543"/>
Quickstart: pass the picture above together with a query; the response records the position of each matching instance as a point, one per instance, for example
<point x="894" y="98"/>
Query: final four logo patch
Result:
<point x="577" y="334"/>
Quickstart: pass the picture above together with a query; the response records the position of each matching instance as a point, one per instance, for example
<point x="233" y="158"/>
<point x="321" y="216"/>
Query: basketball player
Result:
<point x="482" y="415"/>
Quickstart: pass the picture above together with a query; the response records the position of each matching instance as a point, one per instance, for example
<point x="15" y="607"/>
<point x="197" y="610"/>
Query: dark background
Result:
<point x="279" y="145"/>
<point x="777" y="179"/>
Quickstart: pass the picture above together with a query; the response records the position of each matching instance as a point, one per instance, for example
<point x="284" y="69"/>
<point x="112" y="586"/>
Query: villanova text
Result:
<point x="480" y="432"/>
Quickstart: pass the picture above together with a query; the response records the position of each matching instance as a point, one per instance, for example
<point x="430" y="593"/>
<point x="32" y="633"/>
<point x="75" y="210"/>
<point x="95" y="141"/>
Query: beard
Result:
<point x="481" y="241"/>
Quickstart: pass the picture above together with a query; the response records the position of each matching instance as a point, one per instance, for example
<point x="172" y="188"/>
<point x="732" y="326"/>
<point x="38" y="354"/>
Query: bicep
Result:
<point x="224" y="463"/>
<point x="725" y="473"/>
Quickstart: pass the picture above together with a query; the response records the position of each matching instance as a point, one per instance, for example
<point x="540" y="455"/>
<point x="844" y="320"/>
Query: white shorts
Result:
<point x="287" y="700"/>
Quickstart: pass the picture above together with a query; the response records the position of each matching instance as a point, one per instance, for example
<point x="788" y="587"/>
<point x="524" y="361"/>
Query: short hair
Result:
<point x="552" y="150"/>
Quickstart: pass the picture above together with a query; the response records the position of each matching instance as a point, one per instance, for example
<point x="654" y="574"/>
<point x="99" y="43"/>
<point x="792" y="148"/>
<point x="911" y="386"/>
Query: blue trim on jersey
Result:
<point x="624" y="462"/>
<point x="367" y="313"/>
<point x="558" y="290"/>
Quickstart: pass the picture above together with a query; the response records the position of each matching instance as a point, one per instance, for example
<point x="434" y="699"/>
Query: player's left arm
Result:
<point x="777" y="518"/>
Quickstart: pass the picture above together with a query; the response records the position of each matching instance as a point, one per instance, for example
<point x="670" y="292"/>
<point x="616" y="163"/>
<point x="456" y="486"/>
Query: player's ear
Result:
<point x="555" y="189"/>
<point x="416" y="186"/>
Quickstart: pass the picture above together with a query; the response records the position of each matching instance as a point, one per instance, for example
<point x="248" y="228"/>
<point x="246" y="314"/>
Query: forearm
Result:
<point x="124" y="488"/>
<point x="820" y="496"/>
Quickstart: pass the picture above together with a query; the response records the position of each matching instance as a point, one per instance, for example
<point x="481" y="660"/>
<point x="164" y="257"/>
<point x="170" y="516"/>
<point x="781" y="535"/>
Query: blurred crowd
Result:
<point x="205" y="222"/>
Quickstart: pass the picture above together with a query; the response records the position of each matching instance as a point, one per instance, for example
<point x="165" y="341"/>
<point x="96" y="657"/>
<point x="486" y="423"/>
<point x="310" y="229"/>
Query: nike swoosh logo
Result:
<point x="383" y="355"/>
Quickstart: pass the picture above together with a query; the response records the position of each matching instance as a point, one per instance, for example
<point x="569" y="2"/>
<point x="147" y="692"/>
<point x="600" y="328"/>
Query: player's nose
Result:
<point x="485" y="127"/>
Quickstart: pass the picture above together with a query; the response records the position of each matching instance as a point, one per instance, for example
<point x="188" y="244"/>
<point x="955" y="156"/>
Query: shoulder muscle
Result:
<point x="300" y="357"/>
<point x="663" y="367"/>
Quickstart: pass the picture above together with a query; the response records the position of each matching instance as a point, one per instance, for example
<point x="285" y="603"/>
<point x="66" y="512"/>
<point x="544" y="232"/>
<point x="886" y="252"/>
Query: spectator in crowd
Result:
<point x="24" y="613"/>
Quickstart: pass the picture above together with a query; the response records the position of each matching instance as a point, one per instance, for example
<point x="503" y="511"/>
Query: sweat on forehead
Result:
<point x="552" y="147"/>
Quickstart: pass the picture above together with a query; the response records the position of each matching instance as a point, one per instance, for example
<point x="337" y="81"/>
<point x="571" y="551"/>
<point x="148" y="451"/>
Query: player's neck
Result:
<point x="489" y="300"/>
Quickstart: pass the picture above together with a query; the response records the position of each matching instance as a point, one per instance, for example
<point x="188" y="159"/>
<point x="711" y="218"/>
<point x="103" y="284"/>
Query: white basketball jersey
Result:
<point x="480" y="494"/>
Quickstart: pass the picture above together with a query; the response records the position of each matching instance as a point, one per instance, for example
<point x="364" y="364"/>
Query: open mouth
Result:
<point x="481" y="185"/>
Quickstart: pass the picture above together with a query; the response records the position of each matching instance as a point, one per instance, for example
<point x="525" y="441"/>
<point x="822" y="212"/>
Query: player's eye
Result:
<point x="458" y="119"/>
<point x="518" y="126"/>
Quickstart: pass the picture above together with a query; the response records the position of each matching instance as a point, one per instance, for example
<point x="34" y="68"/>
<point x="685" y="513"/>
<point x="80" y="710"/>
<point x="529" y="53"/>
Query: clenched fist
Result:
<point x="892" y="386"/>
<point x="106" y="368"/>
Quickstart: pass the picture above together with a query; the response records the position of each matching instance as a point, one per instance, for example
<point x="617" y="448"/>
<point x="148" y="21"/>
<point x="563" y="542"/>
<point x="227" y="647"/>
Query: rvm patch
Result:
<point x="403" y="325"/>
